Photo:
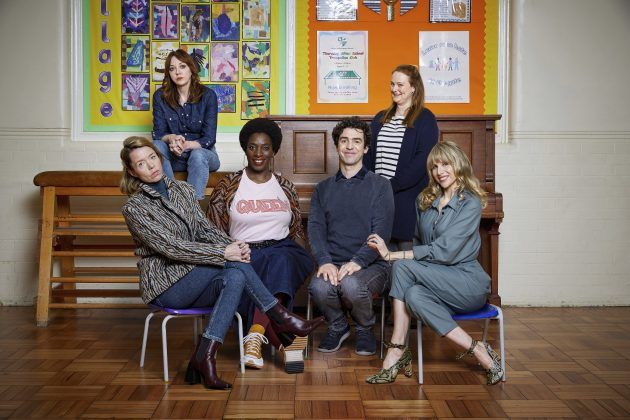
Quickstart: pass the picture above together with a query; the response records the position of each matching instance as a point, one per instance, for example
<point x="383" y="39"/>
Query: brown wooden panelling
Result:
<point x="562" y="362"/>
<point x="310" y="152"/>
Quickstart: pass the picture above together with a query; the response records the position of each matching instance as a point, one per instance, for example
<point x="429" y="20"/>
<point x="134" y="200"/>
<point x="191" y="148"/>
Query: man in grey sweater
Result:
<point x="345" y="210"/>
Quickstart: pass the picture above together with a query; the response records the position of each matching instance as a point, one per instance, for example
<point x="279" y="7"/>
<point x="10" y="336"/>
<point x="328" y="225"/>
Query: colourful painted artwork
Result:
<point x="135" y="16"/>
<point x="134" y="50"/>
<point x="256" y="19"/>
<point x="254" y="99"/>
<point x="256" y="60"/>
<point x="195" y="23"/>
<point x="226" y="24"/>
<point x="165" y="21"/>
<point x="201" y="54"/>
<point x="159" y="51"/>
<point x="224" y="62"/>
<point x="135" y="92"/>
<point x="226" y="97"/>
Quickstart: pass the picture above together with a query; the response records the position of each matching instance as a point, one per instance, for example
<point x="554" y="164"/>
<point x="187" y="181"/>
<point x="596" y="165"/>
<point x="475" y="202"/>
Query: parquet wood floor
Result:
<point x="562" y="362"/>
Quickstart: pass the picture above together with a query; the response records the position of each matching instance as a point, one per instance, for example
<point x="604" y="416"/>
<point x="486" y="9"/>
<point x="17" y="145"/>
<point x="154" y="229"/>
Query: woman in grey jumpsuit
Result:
<point x="441" y="275"/>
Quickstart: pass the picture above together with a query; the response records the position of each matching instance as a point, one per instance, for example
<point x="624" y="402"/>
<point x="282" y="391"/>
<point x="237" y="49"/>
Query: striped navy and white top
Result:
<point x="388" y="146"/>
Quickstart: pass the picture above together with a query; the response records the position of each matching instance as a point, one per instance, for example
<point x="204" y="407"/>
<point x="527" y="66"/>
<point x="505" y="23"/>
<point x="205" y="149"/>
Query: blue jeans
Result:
<point x="222" y="288"/>
<point x="198" y="163"/>
<point x="353" y="294"/>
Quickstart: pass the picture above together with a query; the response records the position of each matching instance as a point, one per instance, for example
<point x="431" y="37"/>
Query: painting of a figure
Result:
<point x="159" y="51"/>
<point x="201" y="54"/>
<point x="256" y="15"/>
<point x="195" y="23"/>
<point x="165" y="21"/>
<point x="135" y="92"/>
<point x="254" y="99"/>
<point x="135" y="16"/>
<point x="226" y="97"/>
<point x="256" y="60"/>
<point x="224" y="62"/>
<point x="134" y="51"/>
<point x="225" y="22"/>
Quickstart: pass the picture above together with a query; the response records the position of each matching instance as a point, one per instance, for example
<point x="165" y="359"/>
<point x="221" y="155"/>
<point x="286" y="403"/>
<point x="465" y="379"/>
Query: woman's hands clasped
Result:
<point x="238" y="251"/>
<point x="377" y="243"/>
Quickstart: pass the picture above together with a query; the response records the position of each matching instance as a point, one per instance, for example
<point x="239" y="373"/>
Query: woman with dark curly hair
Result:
<point x="261" y="208"/>
<point x="185" y="122"/>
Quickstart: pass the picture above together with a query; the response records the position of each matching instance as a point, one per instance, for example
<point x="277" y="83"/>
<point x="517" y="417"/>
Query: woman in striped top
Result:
<point x="403" y="134"/>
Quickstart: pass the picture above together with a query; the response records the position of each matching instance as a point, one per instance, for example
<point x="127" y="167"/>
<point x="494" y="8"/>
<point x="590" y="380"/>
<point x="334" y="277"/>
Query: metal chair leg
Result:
<point x="240" y="341"/>
<point x="502" y="342"/>
<point x="145" y="336"/>
<point x="383" y="300"/>
<point x="164" y="347"/>
<point x="419" y="332"/>
<point x="309" y="316"/>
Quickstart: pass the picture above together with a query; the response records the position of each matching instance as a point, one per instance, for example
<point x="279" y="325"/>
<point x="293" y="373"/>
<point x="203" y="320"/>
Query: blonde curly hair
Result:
<point x="449" y="152"/>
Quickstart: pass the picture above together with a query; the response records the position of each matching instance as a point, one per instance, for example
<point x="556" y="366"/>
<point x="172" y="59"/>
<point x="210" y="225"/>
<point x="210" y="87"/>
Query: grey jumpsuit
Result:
<point x="444" y="277"/>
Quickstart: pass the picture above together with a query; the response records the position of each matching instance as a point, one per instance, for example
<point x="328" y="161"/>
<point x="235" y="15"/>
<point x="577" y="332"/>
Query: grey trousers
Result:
<point x="434" y="292"/>
<point x="353" y="294"/>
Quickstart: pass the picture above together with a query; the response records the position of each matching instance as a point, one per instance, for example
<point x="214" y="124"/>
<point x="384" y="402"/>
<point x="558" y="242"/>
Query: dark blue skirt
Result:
<point x="282" y="267"/>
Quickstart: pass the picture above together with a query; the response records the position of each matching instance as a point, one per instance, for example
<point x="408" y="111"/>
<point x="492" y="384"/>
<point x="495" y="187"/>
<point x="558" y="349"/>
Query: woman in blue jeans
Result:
<point x="185" y="122"/>
<point x="185" y="261"/>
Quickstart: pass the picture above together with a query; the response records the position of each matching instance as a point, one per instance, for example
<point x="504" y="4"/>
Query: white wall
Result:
<point x="564" y="176"/>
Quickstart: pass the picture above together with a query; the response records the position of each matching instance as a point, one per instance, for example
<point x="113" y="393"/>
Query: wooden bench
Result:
<point x="66" y="235"/>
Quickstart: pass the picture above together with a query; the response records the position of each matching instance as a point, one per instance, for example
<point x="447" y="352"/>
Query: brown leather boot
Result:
<point x="287" y="325"/>
<point x="202" y="365"/>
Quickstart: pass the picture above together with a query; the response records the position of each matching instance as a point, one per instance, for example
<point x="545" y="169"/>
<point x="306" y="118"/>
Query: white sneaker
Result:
<point x="253" y="352"/>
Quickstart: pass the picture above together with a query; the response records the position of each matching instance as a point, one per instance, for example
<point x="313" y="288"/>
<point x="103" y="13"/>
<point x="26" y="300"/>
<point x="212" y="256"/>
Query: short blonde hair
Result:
<point x="129" y="184"/>
<point x="449" y="152"/>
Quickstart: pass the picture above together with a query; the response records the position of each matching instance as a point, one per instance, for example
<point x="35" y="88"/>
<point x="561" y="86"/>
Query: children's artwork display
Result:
<point x="226" y="96"/>
<point x="224" y="62"/>
<point x="126" y="43"/>
<point x="195" y="23"/>
<point x="135" y="16"/>
<point x="135" y="53"/>
<point x="159" y="52"/>
<point x="226" y="25"/>
<point x="201" y="54"/>
<point x="256" y="60"/>
<point x="255" y="99"/>
<point x="256" y="17"/>
<point x="165" y="21"/>
<point x="135" y="92"/>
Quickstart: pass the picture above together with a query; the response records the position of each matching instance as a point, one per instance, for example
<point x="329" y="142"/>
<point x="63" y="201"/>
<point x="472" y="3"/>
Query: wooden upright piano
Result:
<point x="308" y="156"/>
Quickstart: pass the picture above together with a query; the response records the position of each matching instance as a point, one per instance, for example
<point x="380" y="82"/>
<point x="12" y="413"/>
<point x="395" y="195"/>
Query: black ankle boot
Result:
<point x="287" y="325"/>
<point x="202" y="365"/>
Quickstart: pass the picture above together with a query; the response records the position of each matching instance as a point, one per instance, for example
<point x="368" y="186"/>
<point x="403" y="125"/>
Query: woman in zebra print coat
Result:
<point x="186" y="262"/>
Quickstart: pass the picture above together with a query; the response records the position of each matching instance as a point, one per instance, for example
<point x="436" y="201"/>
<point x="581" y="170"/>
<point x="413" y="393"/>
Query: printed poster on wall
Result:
<point x="444" y="66"/>
<point x="342" y="67"/>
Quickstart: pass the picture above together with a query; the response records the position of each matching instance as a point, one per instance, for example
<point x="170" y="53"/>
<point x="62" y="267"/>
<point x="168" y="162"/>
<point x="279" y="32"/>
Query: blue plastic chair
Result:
<point x="197" y="314"/>
<point x="487" y="313"/>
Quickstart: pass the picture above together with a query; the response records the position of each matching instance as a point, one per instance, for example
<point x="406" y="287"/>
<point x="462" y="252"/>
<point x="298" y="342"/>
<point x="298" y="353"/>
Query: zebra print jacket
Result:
<point x="172" y="236"/>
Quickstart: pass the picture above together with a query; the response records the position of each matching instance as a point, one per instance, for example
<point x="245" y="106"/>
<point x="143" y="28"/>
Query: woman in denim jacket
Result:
<point x="185" y="122"/>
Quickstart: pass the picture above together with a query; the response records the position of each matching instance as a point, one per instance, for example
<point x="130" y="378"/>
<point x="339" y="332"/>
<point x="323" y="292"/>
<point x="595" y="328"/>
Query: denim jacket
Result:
<point x="194" y="121"/>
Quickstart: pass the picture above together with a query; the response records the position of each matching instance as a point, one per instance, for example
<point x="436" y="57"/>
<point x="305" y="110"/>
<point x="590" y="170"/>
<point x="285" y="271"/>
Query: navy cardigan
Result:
<point x="411" y="176"/>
